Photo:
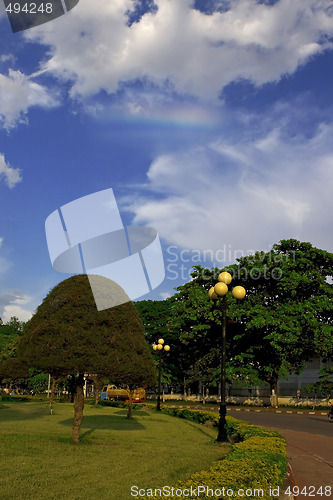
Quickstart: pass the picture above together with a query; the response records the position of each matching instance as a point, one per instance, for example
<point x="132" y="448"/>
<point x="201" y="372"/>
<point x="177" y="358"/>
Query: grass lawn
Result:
<point x="39" y="461"/>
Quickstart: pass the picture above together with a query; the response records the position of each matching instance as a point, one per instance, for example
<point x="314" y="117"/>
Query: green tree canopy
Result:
<point x="288" y="309"/>
<point x="68" y="336"/>
<point x="324" y="385"/>
<point x="285" y="318"/>
<point x="198" y="321"/>
<point x="11" y="368"/>
<point x="10" y="334"/>
<point x="155" y="315"/>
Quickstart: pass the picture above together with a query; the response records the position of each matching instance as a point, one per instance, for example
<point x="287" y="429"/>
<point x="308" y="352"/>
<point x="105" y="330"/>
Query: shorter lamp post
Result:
<point x="159" y="347"/>
<point x="219" y="291"/>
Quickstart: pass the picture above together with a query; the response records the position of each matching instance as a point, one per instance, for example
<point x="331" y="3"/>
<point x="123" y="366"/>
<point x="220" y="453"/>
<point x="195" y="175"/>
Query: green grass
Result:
<point x="39" y="461"/>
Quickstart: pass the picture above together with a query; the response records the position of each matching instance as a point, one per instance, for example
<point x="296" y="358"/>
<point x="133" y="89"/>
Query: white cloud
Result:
<point x="17" y="311"/>
<point x="18" y="93"/>
<point x="250" y="195"/>
<point x="7" y="58"/>
<point x="11" y="175"/>
<point x="11" y="303"/>
<point x="194" y="52"/>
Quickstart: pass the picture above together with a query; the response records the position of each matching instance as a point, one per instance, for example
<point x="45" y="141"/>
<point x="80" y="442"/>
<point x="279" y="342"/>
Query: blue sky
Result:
<point x="211" y="121"/>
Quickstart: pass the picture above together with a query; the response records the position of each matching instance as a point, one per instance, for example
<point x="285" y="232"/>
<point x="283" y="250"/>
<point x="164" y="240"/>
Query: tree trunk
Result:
<point x="53" y="389"/>
<point x="98" y="385"/>
<point x="78" y="408"/>
<point x="130" y="402"/>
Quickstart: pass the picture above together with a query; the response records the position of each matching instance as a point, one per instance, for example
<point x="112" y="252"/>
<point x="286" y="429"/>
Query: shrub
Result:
<point x="115" y="404"/>
<point x="16" y="398"/>
<point x="256" y="465"/>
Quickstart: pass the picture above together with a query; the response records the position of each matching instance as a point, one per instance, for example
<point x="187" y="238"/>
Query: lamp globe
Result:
<point x="212" y="294"/>
<point x="239" y="292"/>
<point x="220" y="289"/>
<point x="225" y="277"/>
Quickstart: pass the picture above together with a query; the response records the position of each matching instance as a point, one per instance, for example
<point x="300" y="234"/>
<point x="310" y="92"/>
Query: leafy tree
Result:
<point x="10" y="334"/>
<point x="11" y="369"/>
<point x="68" y="336"/>
<point x="285" y="319"/>
<point x="324" y="385"/>
<point x="198" y="323"/>
<point x="288" y="309"/>
<point x="37" y="381"/>
<point x="155" y="316"/>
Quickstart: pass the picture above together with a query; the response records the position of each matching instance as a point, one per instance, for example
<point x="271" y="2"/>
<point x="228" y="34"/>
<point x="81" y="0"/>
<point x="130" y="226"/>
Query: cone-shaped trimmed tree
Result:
<point x="68" y="336"/>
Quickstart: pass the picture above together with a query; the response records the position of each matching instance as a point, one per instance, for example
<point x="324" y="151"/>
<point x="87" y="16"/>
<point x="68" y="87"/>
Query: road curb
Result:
<point x="298" y="412"/>
<point x="257" y="410"/>
<point x="289" y="482"/>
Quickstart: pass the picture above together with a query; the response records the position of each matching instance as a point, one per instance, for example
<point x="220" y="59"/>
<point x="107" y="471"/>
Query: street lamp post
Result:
<point x="159" y="347"/>
<point x="219" y="291"/>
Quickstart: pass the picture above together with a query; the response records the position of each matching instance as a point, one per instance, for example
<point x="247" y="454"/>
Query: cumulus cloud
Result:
<point x="17" y="311"/>
<point x="10" y="174"/>
<point x="18" y="93"/>
<point x="11" y="303"/>
<point x="247" y="194"/>
<point x="193" y="52"/>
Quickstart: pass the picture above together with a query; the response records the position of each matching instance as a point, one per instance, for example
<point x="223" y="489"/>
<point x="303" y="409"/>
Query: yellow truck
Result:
<point x="112" y="393"/>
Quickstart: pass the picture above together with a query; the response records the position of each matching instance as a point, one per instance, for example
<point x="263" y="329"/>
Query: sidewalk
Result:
<point x="310" y="459"/>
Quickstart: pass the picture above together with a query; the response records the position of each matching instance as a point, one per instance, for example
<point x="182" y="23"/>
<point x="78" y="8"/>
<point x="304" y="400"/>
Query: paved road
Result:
<point x="309" y="447"/>
<point x="314" y="424"/>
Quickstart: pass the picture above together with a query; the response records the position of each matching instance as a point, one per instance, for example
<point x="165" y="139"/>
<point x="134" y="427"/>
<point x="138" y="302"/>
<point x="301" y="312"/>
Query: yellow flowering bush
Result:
<point x="255" y="468"/>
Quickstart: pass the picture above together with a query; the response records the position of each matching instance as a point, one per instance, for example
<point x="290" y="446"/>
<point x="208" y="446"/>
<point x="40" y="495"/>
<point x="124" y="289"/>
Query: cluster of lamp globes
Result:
<point x="159" y="346"/>
<point x="221" y="288"/>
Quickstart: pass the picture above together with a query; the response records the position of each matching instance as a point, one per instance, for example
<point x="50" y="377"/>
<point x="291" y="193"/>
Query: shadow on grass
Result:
<point x="136" y="413"/>
<point x="16" y="414"/>
<point x="106" y="422"/>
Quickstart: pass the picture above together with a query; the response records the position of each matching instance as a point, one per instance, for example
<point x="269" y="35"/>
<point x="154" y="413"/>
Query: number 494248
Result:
<point x="29" y="8"/>
<point x="309" y="491"/>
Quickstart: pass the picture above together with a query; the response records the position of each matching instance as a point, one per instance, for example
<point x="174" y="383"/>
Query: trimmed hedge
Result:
<point x="21" y="399"/>
<point x="118" y="404"/>
<point x="256" y="465"/>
